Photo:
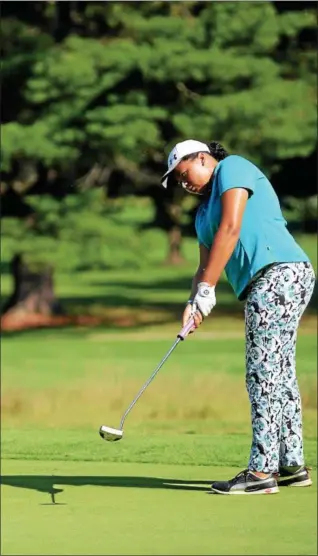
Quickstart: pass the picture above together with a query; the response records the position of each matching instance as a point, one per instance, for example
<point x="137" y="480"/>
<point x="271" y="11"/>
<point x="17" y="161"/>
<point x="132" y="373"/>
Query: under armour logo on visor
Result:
<point x="172" y="158"/>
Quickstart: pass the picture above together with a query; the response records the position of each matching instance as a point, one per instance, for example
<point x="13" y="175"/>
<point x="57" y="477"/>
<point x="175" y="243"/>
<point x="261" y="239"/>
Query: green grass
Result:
<point x="101" y="508"/>
<point x="67" y="492"/>
<point x="47" y="376"/>
<point x="157" y="445"/>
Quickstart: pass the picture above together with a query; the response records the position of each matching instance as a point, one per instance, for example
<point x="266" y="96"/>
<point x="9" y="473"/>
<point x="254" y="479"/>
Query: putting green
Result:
<point x="65" y="508"/>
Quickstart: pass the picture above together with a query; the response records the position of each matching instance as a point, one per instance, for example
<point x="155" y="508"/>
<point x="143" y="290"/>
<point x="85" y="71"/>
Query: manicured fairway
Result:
<point x="51" y="507"/>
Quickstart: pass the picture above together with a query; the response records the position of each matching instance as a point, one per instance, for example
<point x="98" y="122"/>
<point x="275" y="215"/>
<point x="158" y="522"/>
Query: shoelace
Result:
<point x="239" y="475"/>
<point x="245" y="472"/>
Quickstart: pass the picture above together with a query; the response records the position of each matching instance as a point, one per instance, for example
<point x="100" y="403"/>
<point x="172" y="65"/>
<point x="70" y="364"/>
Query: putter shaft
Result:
<point x="150" y="379"/>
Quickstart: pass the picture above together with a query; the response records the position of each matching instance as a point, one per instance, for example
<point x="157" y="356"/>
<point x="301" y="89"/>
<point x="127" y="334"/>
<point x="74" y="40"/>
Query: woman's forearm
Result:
<point x="195" y="281"/>
<point x="222" y="248"/>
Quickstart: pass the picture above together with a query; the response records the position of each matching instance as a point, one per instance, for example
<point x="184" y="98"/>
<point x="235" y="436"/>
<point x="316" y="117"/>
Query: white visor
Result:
<point x="178" y="152"/>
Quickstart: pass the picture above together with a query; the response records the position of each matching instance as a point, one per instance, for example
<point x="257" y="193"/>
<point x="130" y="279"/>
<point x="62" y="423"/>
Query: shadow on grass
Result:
<point x="45" y="483"/>
<point x="227" y="303"/>
<point x="176" y="283"/>
<point x="172" y="309"/>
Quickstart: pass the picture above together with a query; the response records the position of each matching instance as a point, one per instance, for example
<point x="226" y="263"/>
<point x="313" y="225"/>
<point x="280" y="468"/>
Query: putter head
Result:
<point x="109" y="434"/>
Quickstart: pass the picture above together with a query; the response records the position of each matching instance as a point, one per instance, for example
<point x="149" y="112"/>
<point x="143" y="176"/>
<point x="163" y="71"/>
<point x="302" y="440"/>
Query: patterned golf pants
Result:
<point x="274" y="306"/>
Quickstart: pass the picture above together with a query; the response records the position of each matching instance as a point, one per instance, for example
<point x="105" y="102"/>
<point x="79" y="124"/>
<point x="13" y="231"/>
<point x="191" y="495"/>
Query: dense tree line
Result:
<point x="96" y="93"/>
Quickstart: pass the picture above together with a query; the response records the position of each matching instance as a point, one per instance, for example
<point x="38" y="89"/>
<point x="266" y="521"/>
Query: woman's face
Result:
<point x="195" y="175"/>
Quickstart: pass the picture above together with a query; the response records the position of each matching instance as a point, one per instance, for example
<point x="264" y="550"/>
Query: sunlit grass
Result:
<point x="68" y="379"/>
<point x="217" y="401"/>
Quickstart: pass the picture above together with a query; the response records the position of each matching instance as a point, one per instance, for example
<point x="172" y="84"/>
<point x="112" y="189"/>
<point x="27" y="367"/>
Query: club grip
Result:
<point x="186" y="329"/>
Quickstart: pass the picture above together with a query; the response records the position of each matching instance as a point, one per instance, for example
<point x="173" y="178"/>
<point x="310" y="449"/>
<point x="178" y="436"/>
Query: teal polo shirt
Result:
<point x="264" y="238"/>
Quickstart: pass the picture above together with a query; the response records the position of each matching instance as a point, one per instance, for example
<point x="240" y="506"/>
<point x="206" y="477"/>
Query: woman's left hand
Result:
<point x="205" y="298"/>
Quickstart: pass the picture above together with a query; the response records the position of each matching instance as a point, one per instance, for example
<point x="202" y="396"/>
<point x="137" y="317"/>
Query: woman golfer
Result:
<point x="241" y="229"/>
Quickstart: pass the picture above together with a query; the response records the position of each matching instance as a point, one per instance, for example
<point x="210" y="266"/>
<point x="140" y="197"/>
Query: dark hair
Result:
<point x="216" y="150"/>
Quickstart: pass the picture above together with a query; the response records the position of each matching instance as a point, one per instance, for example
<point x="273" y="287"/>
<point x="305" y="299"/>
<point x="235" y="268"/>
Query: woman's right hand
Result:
<point x="188" y="314"/>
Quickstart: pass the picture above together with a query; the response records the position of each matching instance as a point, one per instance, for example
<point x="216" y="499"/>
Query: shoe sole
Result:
<point x="305" y="483"/>
<point x="272" y="490"/>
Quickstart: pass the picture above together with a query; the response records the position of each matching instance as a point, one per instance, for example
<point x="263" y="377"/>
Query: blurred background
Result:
<point x="94" y="95"/>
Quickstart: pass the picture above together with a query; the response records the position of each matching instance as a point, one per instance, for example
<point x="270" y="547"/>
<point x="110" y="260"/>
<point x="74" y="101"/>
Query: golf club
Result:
<point x="110" y="434"/>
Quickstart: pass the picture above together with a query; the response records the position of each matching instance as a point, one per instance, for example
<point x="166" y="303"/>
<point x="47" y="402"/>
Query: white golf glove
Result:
<point x="205" y="298"/>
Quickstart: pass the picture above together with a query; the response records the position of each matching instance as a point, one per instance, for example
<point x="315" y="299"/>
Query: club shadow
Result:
<point x="53" y="504"/>
<point x="45" y="483"/>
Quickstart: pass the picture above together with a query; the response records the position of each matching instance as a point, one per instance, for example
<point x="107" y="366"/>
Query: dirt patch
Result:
<point x="121" y="318"/>
<point x="125" y="318"/>
<point x="25" y="321"/>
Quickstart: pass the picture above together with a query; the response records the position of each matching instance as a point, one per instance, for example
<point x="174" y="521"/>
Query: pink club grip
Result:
<point x="185" y="330"/>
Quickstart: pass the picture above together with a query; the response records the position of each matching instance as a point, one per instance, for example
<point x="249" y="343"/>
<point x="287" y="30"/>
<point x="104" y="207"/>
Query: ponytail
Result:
<point x="217" y="151"/>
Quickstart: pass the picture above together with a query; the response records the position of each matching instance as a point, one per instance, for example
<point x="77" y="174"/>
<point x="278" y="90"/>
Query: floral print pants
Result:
<point x="274" y="305"/>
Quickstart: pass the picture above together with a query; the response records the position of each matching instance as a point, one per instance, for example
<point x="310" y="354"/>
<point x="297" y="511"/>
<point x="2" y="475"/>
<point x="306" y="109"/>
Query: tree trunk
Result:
<point x="33" y="295"/>
<point x="175" y="256"/>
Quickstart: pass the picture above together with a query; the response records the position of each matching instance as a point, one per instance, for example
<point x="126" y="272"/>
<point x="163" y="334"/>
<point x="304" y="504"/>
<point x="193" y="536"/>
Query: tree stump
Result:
<point x="33" y="301"/>
<point x="175" y="256"/>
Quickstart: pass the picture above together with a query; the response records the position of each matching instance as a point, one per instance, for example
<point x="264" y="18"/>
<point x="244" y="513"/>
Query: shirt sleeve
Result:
<point x="237" y="172"/>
